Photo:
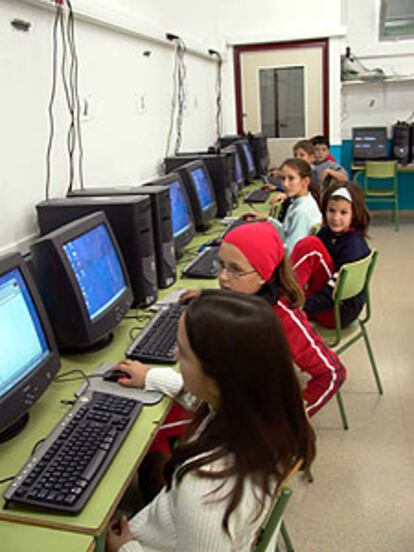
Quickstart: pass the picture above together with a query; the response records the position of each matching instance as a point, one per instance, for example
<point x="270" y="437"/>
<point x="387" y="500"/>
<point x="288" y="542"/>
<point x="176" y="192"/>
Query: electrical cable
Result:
<point x="74" y="80"/>
<point x="52" y="99"/>
<point x="181" y="76"/>
<point x="219" y="114"/>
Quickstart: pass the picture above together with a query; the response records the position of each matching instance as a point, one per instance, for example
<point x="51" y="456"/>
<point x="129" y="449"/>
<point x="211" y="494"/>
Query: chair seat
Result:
<point x="329" y="335"/>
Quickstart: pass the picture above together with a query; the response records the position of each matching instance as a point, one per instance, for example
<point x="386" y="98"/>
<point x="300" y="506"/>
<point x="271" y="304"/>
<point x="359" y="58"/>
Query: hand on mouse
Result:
<point x="136" y="370"/>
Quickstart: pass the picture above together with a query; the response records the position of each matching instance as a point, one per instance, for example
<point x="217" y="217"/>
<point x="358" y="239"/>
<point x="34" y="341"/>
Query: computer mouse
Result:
<point x="115" y="375"/>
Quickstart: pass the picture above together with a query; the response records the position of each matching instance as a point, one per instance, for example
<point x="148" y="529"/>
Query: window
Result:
<point x="282" y="102"/>
<point x="397" y="20"/>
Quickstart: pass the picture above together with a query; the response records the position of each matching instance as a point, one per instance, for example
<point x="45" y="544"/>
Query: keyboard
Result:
<point x="67" y="467"/>
<point x="157" y="341"/>
<point x="257" y="196"/>
<point x="204" y="265"/>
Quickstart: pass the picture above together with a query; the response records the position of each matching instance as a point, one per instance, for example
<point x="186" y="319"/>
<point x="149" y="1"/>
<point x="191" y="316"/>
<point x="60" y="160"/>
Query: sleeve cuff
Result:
<point x="131" y="546"/>
<point x="166" y="380"/>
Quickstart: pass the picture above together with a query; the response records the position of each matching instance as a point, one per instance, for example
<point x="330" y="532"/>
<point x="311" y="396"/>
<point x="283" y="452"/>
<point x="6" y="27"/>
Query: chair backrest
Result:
<point x="274" y="521"/>
<point x="352" y="278"/>
<point x="380" y="169"/>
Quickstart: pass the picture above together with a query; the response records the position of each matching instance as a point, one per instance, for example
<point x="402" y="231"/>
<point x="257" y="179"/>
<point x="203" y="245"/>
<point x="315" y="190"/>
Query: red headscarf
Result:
<point x="261" y="244"/>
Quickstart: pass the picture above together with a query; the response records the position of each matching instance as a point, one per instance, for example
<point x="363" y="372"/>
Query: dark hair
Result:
<point x="305" y="145"/>
<point x="360" y="214"/>
<point x="260" y="422"/>
<point x="304" y="170"/>
<point x="283" y="282"/>
<point x="319" y="139"/>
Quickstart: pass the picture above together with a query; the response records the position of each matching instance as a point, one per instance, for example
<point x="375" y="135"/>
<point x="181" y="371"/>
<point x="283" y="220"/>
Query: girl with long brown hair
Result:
<point x="250" y="430"/>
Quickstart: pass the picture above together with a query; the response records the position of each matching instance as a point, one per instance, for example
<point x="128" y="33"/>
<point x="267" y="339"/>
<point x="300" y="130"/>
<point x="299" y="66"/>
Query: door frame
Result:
<point x="323" y="43"/>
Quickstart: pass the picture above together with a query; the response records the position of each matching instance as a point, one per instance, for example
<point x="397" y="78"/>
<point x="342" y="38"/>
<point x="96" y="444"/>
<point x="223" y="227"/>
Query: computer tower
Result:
<point x="130" y="219"/>
<point x="401" y="150"/>
<point x="161" y="224"/>
<point x="220" y="168"/>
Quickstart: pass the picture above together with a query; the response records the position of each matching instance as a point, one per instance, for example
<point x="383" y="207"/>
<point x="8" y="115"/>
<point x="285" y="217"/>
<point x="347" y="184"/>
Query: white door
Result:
<point x="282" y="95"/>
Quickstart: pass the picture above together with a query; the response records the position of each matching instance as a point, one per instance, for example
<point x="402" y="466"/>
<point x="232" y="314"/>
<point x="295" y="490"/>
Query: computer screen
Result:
<point x="29" y="356"/>
<point x="97" y="269"/>
<point x="249" y="157"/>
<point x="180" y="209"/>
<point x="369" y="143"/>
<point x="83" y="281"/>
<point x="18" y="316"/>
<point x="238" y="169"/>
<point x="246" y="159"/>
<point x="204" y="191"/>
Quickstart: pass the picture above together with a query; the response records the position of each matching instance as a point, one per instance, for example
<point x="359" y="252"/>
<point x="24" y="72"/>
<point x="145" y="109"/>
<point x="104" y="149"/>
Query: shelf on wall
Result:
<point x="377" y="81"/>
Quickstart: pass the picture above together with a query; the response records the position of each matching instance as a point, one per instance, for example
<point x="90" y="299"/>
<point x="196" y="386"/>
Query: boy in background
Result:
<point x="326" y="169"/>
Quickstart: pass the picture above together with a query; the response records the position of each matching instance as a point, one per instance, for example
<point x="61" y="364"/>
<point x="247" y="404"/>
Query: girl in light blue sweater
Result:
<point x="303" y="212"/>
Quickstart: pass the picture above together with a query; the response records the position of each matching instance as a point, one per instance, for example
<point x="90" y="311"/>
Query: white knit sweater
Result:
<point x="188" y="518"/>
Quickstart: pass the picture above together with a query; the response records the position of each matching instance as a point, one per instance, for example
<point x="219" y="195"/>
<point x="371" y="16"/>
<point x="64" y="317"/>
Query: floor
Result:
<point x="362" y="499"/>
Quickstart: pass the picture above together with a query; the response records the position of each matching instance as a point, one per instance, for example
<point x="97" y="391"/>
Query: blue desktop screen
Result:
<point x="180" y="210"/>
<point x="23" y="342"/>
<point x="249" y="157"/>
<point x="204" y="192"/>
<point x="238" y="169"/>
<point x="95" y="263"/>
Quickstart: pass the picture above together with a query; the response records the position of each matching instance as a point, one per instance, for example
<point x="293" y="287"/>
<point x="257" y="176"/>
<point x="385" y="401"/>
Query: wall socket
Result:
<point x="85" y="108"/>
<point x="141" y="102"/>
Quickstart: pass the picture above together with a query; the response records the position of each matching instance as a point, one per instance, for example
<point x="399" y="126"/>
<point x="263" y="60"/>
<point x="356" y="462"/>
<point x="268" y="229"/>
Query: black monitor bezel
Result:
<point x="18" y="400"/>
<point x="88" y="331"/>
<point x="248" y="174"/>
<point x="202" y="216"/>
<point x="367" y="130"/>
<point x="183" y="239"/>
<point x="233" y="150"/>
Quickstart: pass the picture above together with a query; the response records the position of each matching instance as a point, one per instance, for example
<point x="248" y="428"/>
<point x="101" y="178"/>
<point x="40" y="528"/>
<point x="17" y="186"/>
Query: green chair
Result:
<point x="267" y="540"/>
<point x="353" y="278"/>
<point x="381" y="171"/>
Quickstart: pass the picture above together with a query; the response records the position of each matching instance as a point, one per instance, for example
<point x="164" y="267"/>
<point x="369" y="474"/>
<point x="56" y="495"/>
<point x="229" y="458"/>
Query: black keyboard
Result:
<point x="204" y="265"/>
<point x="157" y="341"/>
<point x="257" y="196"/>
<point x="65" y="470"/>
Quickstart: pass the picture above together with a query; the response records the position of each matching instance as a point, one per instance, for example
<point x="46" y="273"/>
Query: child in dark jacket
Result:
<point x="317" y="259"/>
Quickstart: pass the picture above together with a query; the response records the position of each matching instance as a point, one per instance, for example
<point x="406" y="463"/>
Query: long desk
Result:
<point x="48" y="410"/>
<point x="22" y="538"/>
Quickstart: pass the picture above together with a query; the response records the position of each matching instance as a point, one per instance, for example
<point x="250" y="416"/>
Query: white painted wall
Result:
<point x="379" y="103"/>
<point x="121" y="145"/>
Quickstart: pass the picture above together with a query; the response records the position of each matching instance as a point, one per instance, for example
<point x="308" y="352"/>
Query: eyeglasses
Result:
<point x="233" y="271"/>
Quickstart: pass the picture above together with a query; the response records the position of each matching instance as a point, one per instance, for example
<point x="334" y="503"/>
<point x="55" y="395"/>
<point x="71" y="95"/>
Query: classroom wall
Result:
<point x="123" y="143"/>
<point x="378" y="103"/>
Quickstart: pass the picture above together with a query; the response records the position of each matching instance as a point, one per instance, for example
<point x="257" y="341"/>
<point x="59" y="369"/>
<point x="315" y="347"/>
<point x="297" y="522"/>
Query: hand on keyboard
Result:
<point x="189" y="294"/>
<point x="136" y="370"/>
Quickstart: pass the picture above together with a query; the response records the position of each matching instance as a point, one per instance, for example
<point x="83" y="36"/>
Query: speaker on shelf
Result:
<point x="401" y="149"/>
<point x="412" y="142"/>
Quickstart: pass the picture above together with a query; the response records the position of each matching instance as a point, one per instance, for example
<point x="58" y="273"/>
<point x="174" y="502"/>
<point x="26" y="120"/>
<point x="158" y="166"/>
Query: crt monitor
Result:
<point x="83" y="281"/>
<point x="246" y="159"/>
<point x="29" y="356"/>
<point x="369" y="143"/>
<point x="200" y="192"/>
<point x="238" y="176"/>
<point x="181" y="215"/>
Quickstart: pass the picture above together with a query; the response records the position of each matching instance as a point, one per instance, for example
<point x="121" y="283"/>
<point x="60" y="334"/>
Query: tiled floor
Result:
<point x="362" y="499"/>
